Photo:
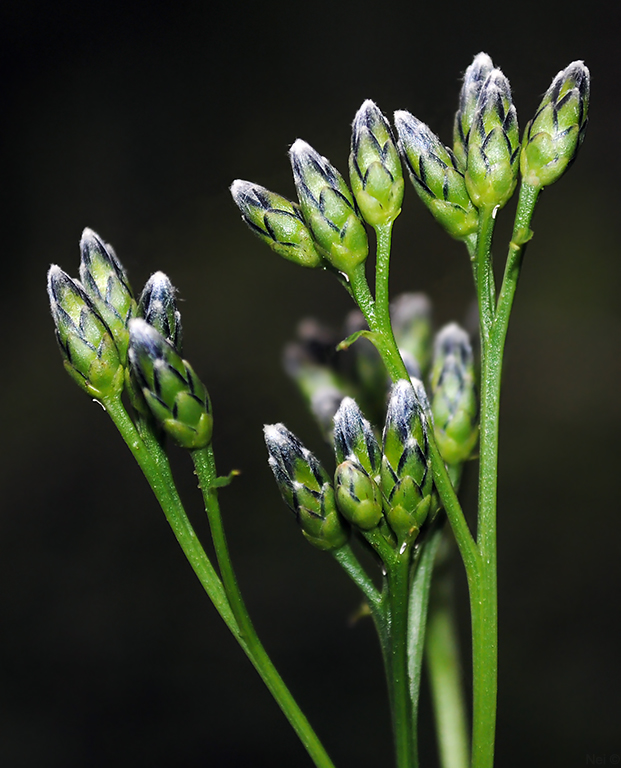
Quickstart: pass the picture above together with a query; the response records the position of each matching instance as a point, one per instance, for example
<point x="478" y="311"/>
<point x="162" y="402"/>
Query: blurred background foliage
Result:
<point x="133" y="119"/>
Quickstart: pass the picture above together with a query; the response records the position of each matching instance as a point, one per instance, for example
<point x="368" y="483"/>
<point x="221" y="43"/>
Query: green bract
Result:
<point x="329" y="208"/>
<point x="493" y="148"/>
<point x="474" y="77"/>
<point x="105" y="282"/>
<point x="554" y="135"/>
<point x="158" y="307"/>
<point x="176" y="397"/>
<point x="374" y="167"/>
<point x="406" y="476"/>
<point x="454" y="402"/>
<point x="357" y="496"/>
<point x="90" y="354"/>
<point x="305" y="488"/>
<point x="277" y="221"/>
<point x="435" y="176"/>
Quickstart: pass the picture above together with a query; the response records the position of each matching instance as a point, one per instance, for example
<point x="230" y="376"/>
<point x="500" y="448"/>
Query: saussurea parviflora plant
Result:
<point x="399" y="449"/>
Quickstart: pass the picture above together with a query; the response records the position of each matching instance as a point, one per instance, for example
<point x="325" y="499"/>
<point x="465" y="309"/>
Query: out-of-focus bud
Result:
<point x="277" y="221"/>
<point x="329" y="208"/>
<point x="357" y="496"/>
<point x="493" y="145"/>
<point x="406" y="476"/>
<point x="305" y="488"/>
<point x="454" y="402"/>
<point x="474" y="77"/>
<point x="158" y="307"/>
<point x="354" y="440"/>
<point x="368" y="369"/>
<point x="411" y="321"/>
<point x="175" y="395"/>
<point x="106" y="283"/>
<point x="435" y="176"/>
<point x="374" y="167"/>
<point x="89" y="352"/>
<point x="554" y="135"/>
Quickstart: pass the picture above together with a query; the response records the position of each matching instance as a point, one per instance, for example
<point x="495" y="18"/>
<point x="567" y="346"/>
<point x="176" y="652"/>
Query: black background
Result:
<point x="133" y="119"/>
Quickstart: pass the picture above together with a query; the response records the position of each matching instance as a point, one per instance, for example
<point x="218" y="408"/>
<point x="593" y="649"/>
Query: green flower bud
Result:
<point x="554" y="135"/>
<point x="158" y="307"/>
<point x="454" y="401"/>
<point x="354" y="441"/>
<point x="177" y="398"/>
<point x="406" y="476"/>
<point x="89" y="353"/>
<point x="474" y="77"/>
<point x="329" y="208"/>
<point x="435" y="176"/>
<point x="374" y="167"/>
<point x="305" y="488"/>
<point x="411" y="321"/>
<point x="105" y="281"/>
<point x="277" y="221"/>
<point x="493" y="145"/>
<point x="357" y="496"/>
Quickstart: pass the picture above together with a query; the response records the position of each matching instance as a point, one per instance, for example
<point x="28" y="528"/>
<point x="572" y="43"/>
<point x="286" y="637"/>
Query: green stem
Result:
<point x="206" y="472"/>
<point x="484" y="273"/>
<point x="351" y="565"/>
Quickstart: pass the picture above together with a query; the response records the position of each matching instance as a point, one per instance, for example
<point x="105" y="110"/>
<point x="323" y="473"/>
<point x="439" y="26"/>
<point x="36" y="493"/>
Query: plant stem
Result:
<point x="351" y="565"/>
<point x="206" y="471"/>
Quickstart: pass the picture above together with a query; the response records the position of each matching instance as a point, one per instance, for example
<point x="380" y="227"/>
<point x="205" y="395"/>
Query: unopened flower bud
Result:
<point x="454" y="402"/>
<point x="374" y="167"/>
<point x="554" y="135"/>
<point x="158" y="307"/>
<point x="435" y="176"/>
<point x="411" y="321"/>
<point x="406" y="476"/>
<point x="106" y="283"/>
<point x="474" y="77"/>
<point x="354" y="440"/>
<point x="175" y="395"/>
<point x="277" y="221"/>
<point x="493" y="145"/>
<point x="89" y="352"/>
<point x="305" y="488"/>
<point x="329" y="208"/>
<point x="358" y="498"/>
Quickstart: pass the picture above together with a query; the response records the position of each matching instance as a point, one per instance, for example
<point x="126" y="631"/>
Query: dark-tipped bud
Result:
<point x="406" y="477"/>
<point x="89" y="352"/>
<point x="411" y="321"/>
<point x="305" y="488"/>
<point x="106" y="283"/>
<point x="354" y="440"/>
<point x="454" y="402"/>
<point x="435" y="176"/>
<point x="493" y="145"/>
<point x="374" y="167"/>
<point x="554" y="135"/>
<point x="158" y="307"/>
<point x="329" y="208"/>
<point x="175" y="395"/>
<point x="277" y="221"/>
<point x="474" y="77"/>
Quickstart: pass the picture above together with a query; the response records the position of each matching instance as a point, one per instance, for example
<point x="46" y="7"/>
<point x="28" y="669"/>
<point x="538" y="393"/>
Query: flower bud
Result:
<point x="329" y="208"/>
<point x="106" y="283"/>
<point x="554" y="135"/>
<point x="354" y="440"/>
<point x="374" y="167"/>
<point x="406" y="476"/>
<point x="435" y="176"/>
<point x="175" y="395"/>
<point x="305" y="488"/>
<point x="411" y="321"/>
<point x="89" y="353"/>
<point x="493" y="145"/>
<point x="454" y="402"/>
<point x="474" y="77"/>
<point x="158" y="307"/>
<point x="277" y="221"/>
<point x="357" y="496"/>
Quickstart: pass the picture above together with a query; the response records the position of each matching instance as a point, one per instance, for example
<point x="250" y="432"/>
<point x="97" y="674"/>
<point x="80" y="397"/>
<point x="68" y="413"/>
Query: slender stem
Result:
<point x="484" y="273"/>
<point x="206" y="472"/>
<point x="442" y="655"/>
<point x="382" y="291"/>
<point x="347" y="559"/>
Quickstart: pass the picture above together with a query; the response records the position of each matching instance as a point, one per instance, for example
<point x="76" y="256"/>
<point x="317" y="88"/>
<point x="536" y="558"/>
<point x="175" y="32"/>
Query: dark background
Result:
<point x="133" y="119"/>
